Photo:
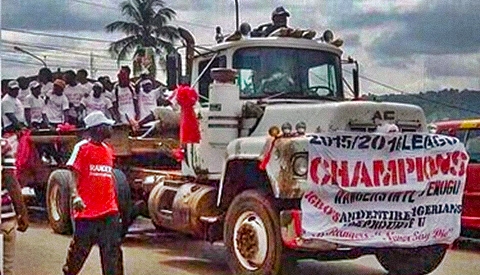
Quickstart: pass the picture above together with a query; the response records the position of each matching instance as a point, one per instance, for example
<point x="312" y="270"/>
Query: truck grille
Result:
<point x="370" y="127"/>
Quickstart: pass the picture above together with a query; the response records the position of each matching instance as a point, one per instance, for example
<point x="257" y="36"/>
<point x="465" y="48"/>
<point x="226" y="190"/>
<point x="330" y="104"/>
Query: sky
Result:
<point x="411" y="45"/>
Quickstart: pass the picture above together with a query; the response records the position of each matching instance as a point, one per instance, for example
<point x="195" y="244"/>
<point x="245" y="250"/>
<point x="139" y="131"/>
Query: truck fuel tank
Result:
<point x="179" y="206"/>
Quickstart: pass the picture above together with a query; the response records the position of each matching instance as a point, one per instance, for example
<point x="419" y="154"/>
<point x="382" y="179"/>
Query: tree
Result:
<point x="146" y="26"/>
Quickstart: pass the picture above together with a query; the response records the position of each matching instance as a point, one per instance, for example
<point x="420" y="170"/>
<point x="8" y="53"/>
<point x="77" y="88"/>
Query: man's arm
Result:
<point x="28" y="116"/>
<point x="45" y="121"/>
<point x="77" y="202"/>
<point x="15" y="192"/>
<point x="137" y="108"/>
<point x="13" y="119"/>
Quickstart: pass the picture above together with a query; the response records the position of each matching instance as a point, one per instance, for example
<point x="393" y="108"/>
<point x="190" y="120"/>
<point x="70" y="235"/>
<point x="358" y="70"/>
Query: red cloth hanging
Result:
<point x="189" y="127"/>
<point x="26" y="154"/>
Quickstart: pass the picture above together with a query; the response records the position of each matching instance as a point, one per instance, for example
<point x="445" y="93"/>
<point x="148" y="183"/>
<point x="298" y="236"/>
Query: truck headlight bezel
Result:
<point x="300" y="164"/>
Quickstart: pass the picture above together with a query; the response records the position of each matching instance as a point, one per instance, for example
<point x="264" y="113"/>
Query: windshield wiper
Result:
<point x="305" y="97"/>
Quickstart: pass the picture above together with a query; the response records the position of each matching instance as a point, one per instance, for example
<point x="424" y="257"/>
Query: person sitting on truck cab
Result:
<point x="279" y="20"/>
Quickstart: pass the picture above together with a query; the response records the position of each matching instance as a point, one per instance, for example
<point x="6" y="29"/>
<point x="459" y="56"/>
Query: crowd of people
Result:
<point x="58" y="98"/>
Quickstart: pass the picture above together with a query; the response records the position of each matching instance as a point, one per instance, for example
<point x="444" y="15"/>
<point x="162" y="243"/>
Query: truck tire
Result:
<point x="124" y="198"/>
<point x="58" y="201"/>
<point x="252" y="235"/>
<point x="411" y="261"/>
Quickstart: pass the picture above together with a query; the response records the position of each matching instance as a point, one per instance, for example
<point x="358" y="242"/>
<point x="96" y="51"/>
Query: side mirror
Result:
<point x="174" y="66"/>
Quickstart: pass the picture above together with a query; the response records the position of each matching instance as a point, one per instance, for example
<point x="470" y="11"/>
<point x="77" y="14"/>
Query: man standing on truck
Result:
<point x="167" y="115"/>
<point x="147" y="97"/>
<point x="13" y="115"/>
<point x="74" y="93"/>
<point x="35" y="106"/>
<point x="83" y="82"/>
<point x="97" y="101"/>
<point x="45" y="77"/>
<point x="56" y="108"/>
<point x="125" y="99"/>
<point x="94" y="200"/>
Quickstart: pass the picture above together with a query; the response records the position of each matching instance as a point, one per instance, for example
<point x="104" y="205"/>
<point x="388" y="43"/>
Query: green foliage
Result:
<point x="444" y="104"/>
<point x="146" y="25"/>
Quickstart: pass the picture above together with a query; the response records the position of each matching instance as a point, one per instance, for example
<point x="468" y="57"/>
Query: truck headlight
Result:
<point x="300" y="165"/>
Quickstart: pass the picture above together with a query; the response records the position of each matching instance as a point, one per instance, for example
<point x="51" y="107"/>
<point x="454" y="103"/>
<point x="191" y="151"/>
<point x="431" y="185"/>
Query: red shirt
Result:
<point x="94" y="166"/>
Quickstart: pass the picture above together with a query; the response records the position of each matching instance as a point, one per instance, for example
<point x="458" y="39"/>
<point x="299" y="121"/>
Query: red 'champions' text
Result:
<point x="380" y="172"/>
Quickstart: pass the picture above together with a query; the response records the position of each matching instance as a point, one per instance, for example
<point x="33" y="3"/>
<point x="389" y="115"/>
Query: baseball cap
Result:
<point x="280" y="11"/>
<point x="60" y="83"/>
<point x="13" y="84"/>
<point x="97" y="118"/>
<point x="34" y="84"/>
<point x="145" y="81"/>
<point x="98" y="84"/>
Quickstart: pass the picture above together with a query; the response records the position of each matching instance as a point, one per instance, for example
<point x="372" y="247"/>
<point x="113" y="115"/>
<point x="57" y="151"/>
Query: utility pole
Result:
<point x="92" y="70"/>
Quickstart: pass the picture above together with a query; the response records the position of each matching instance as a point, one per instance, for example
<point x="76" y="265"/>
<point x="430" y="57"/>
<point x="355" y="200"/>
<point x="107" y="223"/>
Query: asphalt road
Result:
<point x="41" y="252"/>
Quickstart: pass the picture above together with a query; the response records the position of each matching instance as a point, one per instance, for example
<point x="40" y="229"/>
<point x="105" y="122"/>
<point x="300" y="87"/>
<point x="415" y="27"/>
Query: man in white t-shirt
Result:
<point x="97" y="101"/>
<point x="74" y="93"/>
<point x="147" y="97"/>
<point x="126" y="104"/>
<point x="12" y="109"/>
<point x="83" y="82"/>
<point x="24" y="90"/>
<point x="35" y="106"/>
<point x="56" y="108"/>
<point x="107" y="87"/>
<point x="45" y="77"/>
<point x="167" y="115"/>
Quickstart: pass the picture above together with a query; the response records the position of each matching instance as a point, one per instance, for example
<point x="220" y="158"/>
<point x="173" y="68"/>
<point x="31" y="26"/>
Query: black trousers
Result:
<point x="107" y="233"/>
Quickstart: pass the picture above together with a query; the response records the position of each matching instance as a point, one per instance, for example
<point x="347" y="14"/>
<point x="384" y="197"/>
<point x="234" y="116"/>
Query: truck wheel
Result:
<point x="58" y="201"/>
<point x="124" y="197"/>
<point x="411" y="261"/>
<point x="252" y="235"/>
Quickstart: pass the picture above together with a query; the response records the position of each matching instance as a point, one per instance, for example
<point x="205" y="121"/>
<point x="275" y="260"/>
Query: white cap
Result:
<point x="145" y="81"/>
<point x="13" y="84"/>
<point x="34" y="84"/>
<point x="96" y="118"/>
<point x="98" y="84"/>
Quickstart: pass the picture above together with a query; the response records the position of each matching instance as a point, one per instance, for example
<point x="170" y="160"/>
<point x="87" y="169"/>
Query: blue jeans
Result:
<point x="104" y="231"/>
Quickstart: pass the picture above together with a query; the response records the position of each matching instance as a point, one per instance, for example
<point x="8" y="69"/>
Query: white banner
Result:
<point x="374" y="189"/>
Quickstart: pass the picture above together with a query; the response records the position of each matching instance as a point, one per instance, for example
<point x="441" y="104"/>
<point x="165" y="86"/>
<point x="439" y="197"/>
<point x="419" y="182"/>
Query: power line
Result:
<point x="55" y="65"/>
<point x="417" y="96"/>
<point x="51" y="48"/>
<point x="94" y="4"/>
<point x="57" y="35"/>
<point x="117" y="8"/>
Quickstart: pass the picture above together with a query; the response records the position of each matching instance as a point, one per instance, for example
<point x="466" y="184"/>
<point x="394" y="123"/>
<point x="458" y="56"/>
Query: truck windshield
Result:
<point x="288" y="73"/>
